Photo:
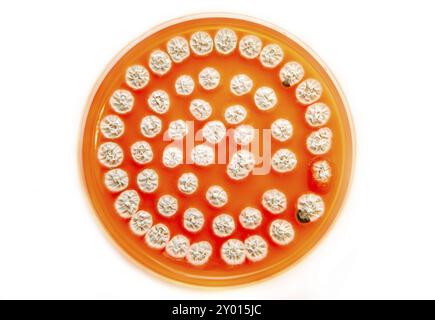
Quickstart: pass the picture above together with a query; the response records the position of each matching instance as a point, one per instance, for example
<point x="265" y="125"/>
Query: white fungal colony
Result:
<point x="274" y="201"/>
<point x="112" y="127"/>
<point x="235" y="114"/>
<point x="159" y="102"/>
<point x="202" y="155"/>
<point x="199" y="253"/>
<point x="256" y="248"/>
<point x="214" y="131"/>
<point x="110" y="154"/>
<point x="244" y="134"/>
<point x="233" y="252"/>
<point x="241" y="84"/>
<point x="177" y="129"/>
<point x="223" y="225"/>
<point x="209" y="78"/>
<point x="137" y="77"/>
<point x="216" y="196"/>
<point x="141" y="222"/>
<point x="167" y="205"/>
<point x="310" y="207"/>
<point x="308" y="91"/>
<point x="271" y="55"/>
<point x="241" y="164"/>
<point x="141" y="152"/>
<point x="188" y="183"/>
<point x="184" y="85"/>
<point x="127" y="203"/>
<point x="322" y="171"/>
<point x="317" y="114"/>
<point x="178" y="246"/>
<point x="178" y="49"/>
<point x="291" y="73"/>
<point x="122" y="101"/>
<point x="147" y="180"/>
<point x="282" y="130"/>
<point x="158" y="236"/>
<point x="193" y="220"/>
<point x="284" y="160"/>
<point x="172" y="157"/>
<point x="281" y="232"/>
<point x="116" y="180"/>
<point x="225" y="41"/>
<point x="160" y="63"/>
<point x="320" y="141"/>
<point x="201" y="43"/>
<point x="200" y="109"/>
<point x="151" y="126"/>
<point x="250" y="218"/>
<point x="265" y="98"/>
<point x="250" y="46"/>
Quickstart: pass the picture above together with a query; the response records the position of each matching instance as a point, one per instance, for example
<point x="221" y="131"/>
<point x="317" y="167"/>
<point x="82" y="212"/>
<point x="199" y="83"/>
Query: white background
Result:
<point x="383" y="54"/>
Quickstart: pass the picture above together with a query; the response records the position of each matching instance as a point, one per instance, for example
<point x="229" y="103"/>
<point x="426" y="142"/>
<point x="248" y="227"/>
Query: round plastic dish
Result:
<point x="309" y="197"/>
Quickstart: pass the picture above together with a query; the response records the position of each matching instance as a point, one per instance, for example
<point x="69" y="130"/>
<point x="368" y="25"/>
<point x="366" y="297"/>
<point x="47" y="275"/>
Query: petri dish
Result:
<point x="216" y="150"/>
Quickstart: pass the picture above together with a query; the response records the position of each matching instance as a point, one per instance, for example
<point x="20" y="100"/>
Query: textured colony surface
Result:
<point x="184" y="95"/>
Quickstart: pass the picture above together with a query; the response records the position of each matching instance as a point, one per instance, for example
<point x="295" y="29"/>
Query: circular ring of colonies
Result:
<point x="216" y="150"/>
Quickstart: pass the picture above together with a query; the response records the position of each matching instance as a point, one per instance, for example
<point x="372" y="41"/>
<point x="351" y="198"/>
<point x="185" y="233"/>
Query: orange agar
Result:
<point x="247" y="192"/>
